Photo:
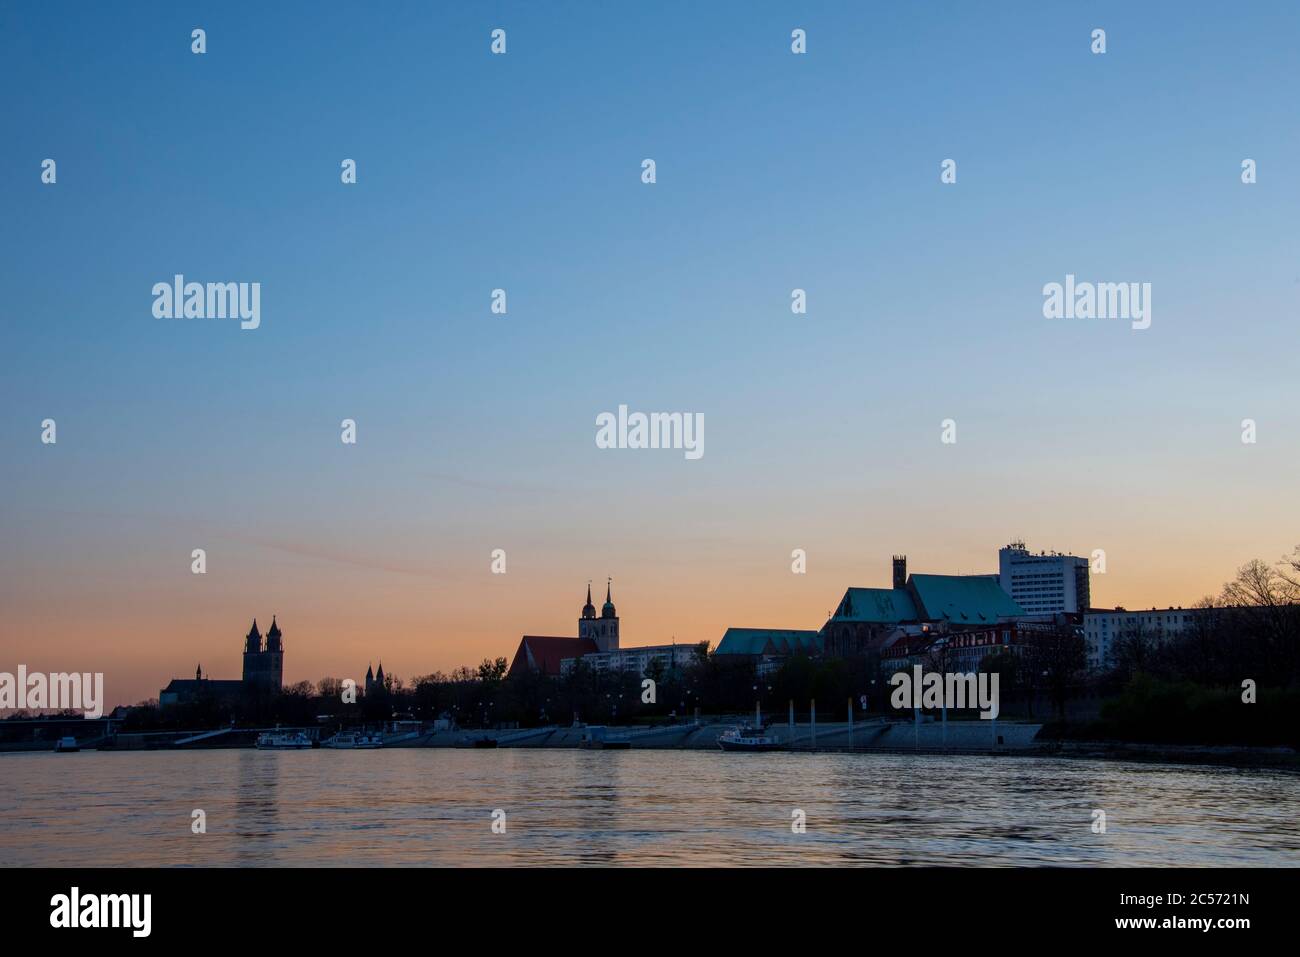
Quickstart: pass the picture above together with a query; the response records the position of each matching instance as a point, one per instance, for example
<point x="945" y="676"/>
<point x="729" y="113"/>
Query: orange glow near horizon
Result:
<point x="338" y="618"/>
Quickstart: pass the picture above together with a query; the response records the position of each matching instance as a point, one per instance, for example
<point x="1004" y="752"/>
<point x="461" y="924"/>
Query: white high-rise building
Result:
<point x="1045" y="583"/>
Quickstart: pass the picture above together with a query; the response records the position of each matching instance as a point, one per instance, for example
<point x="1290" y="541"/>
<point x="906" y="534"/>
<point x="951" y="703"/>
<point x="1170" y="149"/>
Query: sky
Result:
<point x="523" y="171"/>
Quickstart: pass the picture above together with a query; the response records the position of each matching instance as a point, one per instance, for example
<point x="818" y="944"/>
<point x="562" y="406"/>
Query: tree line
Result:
<point x="1251" y="630"/>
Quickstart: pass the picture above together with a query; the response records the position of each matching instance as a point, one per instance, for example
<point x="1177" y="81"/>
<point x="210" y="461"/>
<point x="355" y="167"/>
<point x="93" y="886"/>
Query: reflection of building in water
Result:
<point x="263" y="671"/>
<point x="257" y="801"/>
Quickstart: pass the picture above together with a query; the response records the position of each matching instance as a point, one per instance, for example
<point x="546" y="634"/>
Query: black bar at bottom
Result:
<point x="524" y="906"/>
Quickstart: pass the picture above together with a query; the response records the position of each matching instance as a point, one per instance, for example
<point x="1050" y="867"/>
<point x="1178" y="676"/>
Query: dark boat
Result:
<point x="749" y="739"/>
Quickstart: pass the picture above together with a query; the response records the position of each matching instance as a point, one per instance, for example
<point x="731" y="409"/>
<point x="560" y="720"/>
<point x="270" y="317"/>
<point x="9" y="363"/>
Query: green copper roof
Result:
<point x="769" y="641"/>
<point x="885" y="606"/>
<point x="963" y="599"/>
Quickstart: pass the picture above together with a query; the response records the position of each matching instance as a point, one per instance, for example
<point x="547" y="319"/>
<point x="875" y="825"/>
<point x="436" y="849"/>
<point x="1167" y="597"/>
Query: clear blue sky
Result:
<point x="775" y="171"/>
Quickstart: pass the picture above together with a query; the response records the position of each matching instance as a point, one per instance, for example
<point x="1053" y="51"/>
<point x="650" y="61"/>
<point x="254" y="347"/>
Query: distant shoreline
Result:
<point x="872" y="736"/>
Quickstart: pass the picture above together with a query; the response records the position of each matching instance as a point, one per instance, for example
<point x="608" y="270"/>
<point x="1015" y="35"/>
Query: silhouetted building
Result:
<point x="263" y="672"/>
<point x="544" y="653"/>
<point x="264" y="661"/>
<point x="603" y="630"/>
<point x="597" y="640"/>
<point x="769" y="647"/>
<point x="185" y="691"/>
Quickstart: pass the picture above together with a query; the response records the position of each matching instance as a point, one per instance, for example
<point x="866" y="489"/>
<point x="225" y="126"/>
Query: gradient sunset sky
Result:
<point x="522" y="171"/>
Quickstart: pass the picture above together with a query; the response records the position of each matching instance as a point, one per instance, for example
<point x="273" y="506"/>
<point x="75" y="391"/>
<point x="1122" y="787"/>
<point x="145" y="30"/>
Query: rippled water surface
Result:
<point x="434" y="807"/>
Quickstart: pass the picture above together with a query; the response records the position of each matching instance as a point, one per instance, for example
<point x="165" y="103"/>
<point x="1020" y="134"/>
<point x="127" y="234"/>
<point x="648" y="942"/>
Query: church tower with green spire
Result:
<point x="603" y="630"/>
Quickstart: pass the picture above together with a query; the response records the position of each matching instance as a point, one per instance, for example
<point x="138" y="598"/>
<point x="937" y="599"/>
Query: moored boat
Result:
<point x="748" y="738"/>
<point x="67" y="745"/>
<point x="283" y="741"/>
<point x="351" y="740"/>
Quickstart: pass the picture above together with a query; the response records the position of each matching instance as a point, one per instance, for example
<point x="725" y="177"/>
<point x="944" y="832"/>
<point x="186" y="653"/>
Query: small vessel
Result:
<point x="485" y="742"/>
<point x="283" y="741"/>
<point x="748" y="738"/>
<point x="66" y="745"/>
<point x="353" y="740"/>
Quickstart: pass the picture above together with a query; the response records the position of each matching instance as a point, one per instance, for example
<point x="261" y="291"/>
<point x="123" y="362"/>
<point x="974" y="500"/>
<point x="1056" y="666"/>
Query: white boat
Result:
<point x="283" y="741"/>
<point x="67" y="745"/>
<point x="353" y="740"/>
<point x="748" y="739"/>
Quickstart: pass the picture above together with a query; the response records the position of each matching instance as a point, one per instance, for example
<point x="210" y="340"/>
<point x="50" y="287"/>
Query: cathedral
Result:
<point x="544" y="653"/>
<point x="597" y="646"/>
<point x="263" y="672"/>
<point x="375" y="682"/>
<point x="264" y="662"/>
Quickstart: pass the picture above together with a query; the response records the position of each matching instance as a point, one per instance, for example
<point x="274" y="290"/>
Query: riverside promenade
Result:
<point x="869" y="735"/>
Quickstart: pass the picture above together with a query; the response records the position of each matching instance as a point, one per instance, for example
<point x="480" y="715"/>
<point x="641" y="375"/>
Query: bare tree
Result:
<point x="1059" y="656"/>
<point x="1264" y="604"/>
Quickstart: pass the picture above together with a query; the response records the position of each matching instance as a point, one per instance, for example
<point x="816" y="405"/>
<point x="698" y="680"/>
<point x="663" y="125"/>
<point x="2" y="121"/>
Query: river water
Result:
<point x="436" y="807"/>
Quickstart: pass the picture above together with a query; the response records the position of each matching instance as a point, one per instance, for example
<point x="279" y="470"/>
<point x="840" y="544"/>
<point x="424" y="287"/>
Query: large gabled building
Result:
<point x="545" y="654"/>
<point x="866" y="617"/>
<point x="769" y="647"/>
<point x="912" y="613"/>
<point x="199" y="688"/>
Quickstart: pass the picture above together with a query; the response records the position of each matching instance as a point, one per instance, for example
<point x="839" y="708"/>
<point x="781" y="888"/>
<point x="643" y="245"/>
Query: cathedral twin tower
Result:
<point x="264" y="662"/>
<point x="603" y="630"/>
<point x="264" y="657"/>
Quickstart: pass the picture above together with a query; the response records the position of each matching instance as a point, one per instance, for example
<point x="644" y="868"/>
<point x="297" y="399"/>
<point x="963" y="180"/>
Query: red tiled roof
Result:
<point x="543" y="653"/>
